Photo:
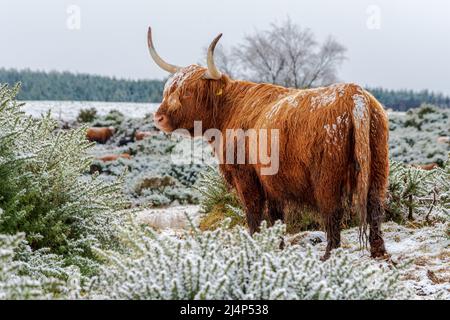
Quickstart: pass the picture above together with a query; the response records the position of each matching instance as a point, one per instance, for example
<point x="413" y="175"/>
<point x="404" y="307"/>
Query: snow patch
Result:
<point x="359" y="111"/>
<point x="170" y="218"/>
<point x="335" y="130"/>
<point x="323" y="99"/>
<point x="292" y="100"/>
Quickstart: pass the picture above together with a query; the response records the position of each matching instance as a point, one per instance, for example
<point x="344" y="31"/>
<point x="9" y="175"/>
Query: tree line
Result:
<point x="39" y="85"/>
<point x="403" y="100"/>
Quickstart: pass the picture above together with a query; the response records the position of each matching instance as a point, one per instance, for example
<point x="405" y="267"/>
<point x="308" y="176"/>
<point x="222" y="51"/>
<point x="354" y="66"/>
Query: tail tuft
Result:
<point x="361" y="159"/>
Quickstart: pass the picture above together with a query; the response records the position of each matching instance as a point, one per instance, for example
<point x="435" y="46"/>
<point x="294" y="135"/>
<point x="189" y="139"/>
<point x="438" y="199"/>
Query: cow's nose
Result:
<point x="161" y="120"/>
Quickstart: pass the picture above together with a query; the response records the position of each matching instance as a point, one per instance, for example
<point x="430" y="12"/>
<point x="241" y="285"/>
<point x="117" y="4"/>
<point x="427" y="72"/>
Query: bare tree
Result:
<point x="259" y="59"/>
<point x="286" y="54"/>
<point x="324" y="64"/>
<point x="295" y="46"/>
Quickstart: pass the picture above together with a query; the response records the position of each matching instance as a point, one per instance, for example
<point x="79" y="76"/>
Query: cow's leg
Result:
<point x="333" y="230"/>
<point x="227" y="176"/>
<point x="250" y="192"/>
<point x="275" y="211"/>
<point x="328" y="200"/>
<point x="375" y="212"/>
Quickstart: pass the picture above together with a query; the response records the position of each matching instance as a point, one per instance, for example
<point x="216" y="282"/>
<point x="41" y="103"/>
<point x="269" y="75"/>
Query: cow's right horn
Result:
<point x="160" y="62"/>
<point x="213" y="73"/>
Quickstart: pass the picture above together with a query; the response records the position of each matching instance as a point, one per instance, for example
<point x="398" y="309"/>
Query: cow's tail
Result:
<point x="360" y="164"/>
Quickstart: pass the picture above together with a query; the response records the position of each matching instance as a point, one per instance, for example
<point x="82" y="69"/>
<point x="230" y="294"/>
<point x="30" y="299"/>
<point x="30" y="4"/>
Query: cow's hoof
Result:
<point x="379" y="253"/>
<point x="325" y="257"/>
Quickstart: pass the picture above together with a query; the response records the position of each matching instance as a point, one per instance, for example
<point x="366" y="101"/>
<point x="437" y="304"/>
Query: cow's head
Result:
<point x="191" y="93"/>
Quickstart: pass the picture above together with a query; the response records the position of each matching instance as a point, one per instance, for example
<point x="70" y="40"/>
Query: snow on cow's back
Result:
<point x="320" y="99"/>
<point x="292" y="99"/>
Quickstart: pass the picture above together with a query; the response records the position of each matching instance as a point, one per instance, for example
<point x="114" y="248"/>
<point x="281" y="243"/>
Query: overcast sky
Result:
<point x="391" y="43"/>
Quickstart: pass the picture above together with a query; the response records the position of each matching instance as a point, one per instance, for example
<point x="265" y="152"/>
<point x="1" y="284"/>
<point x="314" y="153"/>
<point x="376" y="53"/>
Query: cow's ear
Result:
<point x="174" y="101"/>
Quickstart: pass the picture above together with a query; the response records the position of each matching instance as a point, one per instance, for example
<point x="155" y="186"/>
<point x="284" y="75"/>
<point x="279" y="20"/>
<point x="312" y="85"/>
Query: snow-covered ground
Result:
<point x="425" y="250"/>
<point x="172" y="218"/>
<point x="68" y="110"/>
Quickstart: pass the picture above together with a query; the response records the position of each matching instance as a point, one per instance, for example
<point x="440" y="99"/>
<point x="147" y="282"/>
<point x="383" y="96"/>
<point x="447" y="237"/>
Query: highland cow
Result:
<point x="141" y="135"/>
<point x="333" y="143"/>
<point x="114" y="157"/>
<point x="100" y="135"/>
<point x="426" y="167"/>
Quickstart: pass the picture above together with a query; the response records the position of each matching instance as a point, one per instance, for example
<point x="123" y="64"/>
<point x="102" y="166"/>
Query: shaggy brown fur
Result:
<point x="101" y="134"/>
<point x="333" y="146"/>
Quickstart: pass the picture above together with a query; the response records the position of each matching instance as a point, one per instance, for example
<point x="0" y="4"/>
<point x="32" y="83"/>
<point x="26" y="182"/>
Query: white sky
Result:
<point x="410" y="50"/>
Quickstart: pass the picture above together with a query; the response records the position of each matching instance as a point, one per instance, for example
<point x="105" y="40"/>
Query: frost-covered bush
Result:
<point x="217" y="202"/>
<point x="37" y="275"/>
<point x="87" y="115"/>
<point x="230" y="264"/>
<point x="416" y="193"/>
<point x="114" y="118"/>
<point x="43" y="192"/>
<point x="12" y="284"/>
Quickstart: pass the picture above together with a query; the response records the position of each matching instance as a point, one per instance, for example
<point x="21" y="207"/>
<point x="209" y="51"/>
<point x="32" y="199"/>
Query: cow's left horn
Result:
<point x="160" y="62"/>
<point x="213" y="73"/>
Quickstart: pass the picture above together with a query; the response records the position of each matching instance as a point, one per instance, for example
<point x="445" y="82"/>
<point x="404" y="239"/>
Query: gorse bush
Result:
<point x="13" y="285"/>
<point x="217" y="201"/>
<point x="416" y="193"/>
<point x="230" y="264"/>
<point x="27" y="274"/>
<point x="87" y="115"/>
<point x="43" y="192"/>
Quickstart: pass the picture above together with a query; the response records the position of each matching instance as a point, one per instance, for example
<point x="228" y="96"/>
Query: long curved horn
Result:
<point x="213" y="73"/>
<point x="160" y="62"/>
